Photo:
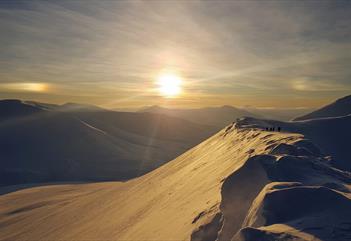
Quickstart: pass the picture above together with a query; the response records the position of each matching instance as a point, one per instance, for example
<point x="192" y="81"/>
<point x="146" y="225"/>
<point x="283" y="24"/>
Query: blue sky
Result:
<point x="109" y="53"/>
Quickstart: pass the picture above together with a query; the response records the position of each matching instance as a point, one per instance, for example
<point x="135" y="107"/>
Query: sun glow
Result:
<point x="169" y="84"/>
<point x="27" y="87"/>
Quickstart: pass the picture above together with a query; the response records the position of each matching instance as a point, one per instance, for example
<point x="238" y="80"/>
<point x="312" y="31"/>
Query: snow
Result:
<point x="244" y="183"/>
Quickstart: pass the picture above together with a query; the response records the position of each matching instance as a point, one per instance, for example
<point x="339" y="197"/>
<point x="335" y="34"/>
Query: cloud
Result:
<point x="118" y="48"/>
<point x="306" y="84"/>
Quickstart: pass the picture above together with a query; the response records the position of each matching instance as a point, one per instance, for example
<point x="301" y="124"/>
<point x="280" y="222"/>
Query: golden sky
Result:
<point x="112" y="53"/>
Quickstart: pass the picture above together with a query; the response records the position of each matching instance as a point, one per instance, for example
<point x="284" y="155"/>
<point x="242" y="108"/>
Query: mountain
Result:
<point x="79" y="107"/>
<point x="16" y="108"/>
<point x="242" y="184"/>
<point x="282" y="114"/>
<point x="57" y="143"/>
<point x="213" y="116"/>
<point x="67" y="107"/>
<point x="40" y="105"/>
<point x="341" y="107"/>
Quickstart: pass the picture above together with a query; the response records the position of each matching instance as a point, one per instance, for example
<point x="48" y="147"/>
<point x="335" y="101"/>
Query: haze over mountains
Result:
<point x="213" y="116"/>
<point x="223" y="115"/>
<point x="282" y="114"/>
<point x="74" y="142"/>
<point x="43" y="142"/>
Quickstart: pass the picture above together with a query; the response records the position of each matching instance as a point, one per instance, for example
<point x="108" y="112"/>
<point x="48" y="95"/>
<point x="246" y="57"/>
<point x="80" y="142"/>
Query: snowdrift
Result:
<point x="244" y="183"/>
<point x="331" y="135"/>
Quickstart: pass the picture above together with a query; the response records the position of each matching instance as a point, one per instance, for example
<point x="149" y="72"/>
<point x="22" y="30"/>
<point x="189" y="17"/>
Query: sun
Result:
<point x="169" y="84"/>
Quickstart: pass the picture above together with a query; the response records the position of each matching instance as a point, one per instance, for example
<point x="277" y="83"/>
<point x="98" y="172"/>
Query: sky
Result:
<point x="280" y="54"/>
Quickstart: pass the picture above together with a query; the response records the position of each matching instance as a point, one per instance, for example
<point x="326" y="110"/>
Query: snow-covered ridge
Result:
<point x="340" y="107"/>
<point x="244" y="183"/>
<point x="332" y="135"/>
<point x="291" y="193"/>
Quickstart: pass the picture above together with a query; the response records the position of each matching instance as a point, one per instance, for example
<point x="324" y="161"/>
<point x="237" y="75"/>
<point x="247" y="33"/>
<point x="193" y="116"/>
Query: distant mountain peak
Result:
<point x="228" y="107"/>
<point x="11" y="101"/>
<point x="218" y="116"/>
<point x="156" y="107"/>
<point x="10" y="108"/>
<point x="71" y="106"/>
<point x="340" y="107"/>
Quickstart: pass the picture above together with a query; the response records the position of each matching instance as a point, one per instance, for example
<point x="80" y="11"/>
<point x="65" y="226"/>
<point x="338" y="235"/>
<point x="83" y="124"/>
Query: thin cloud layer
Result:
<point x="110" y="53"/>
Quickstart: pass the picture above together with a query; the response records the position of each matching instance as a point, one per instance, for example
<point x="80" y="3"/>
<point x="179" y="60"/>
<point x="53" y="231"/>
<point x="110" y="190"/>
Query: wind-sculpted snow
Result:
<point x="290" y="194"/>
<point x="332" y="135"/>
<point x="244" y="183"/>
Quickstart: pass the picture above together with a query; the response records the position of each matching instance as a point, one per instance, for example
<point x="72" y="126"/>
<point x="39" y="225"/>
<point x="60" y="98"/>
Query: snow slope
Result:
<point x="243" y="183"/>
<point x="44" y="143"/>
<point x="340" y="107"/>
